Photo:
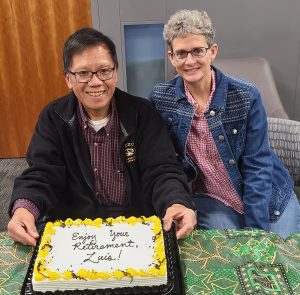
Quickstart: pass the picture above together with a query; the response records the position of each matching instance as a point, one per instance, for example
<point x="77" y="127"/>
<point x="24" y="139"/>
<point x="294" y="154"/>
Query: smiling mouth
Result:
<point x="191" y="70"/>
<point x="99" y="93"/>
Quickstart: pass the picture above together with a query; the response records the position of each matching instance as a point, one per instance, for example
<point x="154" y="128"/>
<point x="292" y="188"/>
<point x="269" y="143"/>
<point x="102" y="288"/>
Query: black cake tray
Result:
<point x="173" y="287"/>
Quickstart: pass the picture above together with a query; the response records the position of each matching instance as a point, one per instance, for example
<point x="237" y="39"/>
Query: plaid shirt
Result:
<point x="212" y="178"/>
<point x="104" y="147"/>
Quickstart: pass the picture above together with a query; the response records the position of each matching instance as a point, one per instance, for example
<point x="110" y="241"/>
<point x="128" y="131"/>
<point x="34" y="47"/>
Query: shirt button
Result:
<point x="95" y="144"/>
<point x="169" y="121"/>
<point x="212" y="113"/>
<point x="234" y="131"/>
<point x="231" y="161"/>
<point x="221" y="137"/>
<point x="85" y="126"/>
<point x="95" y="169"/>
<point x="107" y="134"/>
<point x="276" y="213"/>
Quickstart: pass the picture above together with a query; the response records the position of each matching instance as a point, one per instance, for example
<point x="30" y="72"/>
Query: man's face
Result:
<point x="94" y="95"/>
<point x="193" y="69"/>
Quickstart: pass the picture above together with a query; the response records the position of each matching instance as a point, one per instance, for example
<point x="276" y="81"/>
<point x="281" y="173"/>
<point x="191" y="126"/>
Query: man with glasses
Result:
<point x="219" y="128"/>
<point x="98" y="152"/>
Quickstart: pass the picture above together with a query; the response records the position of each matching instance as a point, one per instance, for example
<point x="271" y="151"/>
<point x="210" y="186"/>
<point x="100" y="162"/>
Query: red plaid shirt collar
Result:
<point x="84" y="118"/>
<point x="194" y="102"/>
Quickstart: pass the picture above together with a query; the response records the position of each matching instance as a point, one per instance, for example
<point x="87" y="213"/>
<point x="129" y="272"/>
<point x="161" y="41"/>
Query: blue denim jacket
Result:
<point x="238" y="124"/>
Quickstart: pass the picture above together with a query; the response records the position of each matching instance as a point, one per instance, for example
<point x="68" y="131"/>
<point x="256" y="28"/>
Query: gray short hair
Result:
<point x="189" y="21"/>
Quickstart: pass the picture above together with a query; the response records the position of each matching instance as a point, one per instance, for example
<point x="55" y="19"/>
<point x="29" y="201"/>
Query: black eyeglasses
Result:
<point x="181" y="55"/>
<point x="87" y="76"/>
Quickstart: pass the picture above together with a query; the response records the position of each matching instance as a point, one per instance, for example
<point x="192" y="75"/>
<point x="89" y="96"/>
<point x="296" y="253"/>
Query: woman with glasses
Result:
<point x="219" y="128"/>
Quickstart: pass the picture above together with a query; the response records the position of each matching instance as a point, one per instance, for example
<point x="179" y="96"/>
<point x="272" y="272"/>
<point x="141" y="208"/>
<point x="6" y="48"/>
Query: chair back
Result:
<point x="257" y="71"/>
<point x="9" y="169"/>
<point x="284" y="139"/>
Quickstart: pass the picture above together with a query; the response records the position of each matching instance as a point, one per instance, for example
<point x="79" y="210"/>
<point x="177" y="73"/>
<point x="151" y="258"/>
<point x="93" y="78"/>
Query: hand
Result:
<point x="183" y="217"/>
<point x="21" y="228"/>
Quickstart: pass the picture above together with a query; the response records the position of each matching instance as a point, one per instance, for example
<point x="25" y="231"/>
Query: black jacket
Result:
<point x="60" y="180"/>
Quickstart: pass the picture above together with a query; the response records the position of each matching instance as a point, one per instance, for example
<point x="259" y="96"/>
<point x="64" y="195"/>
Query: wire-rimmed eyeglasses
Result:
<point x="87" y="76"/>
<point x="181" y="55"/>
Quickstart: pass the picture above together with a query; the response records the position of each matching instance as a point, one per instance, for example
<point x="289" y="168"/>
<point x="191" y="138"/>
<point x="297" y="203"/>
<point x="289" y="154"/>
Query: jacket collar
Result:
<point x="127" y="111"/>
<point x="66" y="109"/>
<point x="179" y="89"/>
<point x="219" y="99"/>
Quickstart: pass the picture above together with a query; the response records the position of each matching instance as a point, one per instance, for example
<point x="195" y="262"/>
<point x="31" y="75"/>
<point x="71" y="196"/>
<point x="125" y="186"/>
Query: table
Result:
<point x="14" y="261"/>
<point x="217" y="262"/>
<point x="222" y="262"/>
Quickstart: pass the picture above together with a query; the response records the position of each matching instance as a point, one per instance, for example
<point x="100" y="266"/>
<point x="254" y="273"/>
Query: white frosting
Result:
<point x="102" y="249"/>
<point x="64" y="251"/>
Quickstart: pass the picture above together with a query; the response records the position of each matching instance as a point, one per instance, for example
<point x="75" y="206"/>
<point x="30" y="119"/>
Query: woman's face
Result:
<point x="192" y="69"/>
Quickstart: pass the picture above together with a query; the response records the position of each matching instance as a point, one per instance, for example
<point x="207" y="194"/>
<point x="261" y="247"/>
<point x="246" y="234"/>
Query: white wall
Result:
<point x="266" y="28"/>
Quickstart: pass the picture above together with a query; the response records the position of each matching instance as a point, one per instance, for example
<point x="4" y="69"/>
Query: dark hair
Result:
<point x="81" y="40"/>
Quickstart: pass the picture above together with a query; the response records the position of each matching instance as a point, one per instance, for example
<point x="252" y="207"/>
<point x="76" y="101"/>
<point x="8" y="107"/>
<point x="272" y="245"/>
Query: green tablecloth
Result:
<point x="214" y="262"/>
<point x="14" y="261"/>
<point x="240" y="262"/>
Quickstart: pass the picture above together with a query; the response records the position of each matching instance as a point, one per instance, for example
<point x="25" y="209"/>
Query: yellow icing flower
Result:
<point x="142" y="273"/>
<point x="49" y="225"/>
<point x="156" y="272"/>
<point x="103" y="275"/>
<point x="97" y="222"/>
<point x="83" y="273"/>
<point x="57" y="223"/>
<point x="78" y="222"/>
<point x="67" y="275"/>
<point x="91" y="275"/>
<point x="110" y="220"/>
<point x="87" y="221"/>
<point x="50" y="231"/>
<point x="133" y="272"/>
<point x="132" y="220"/>
<point x="53" y="276"/>
<point x="118" y="274"/>
<point x="38" y="277"/>
<point x="121" y="219"/>
<point x="69" y="222"/>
